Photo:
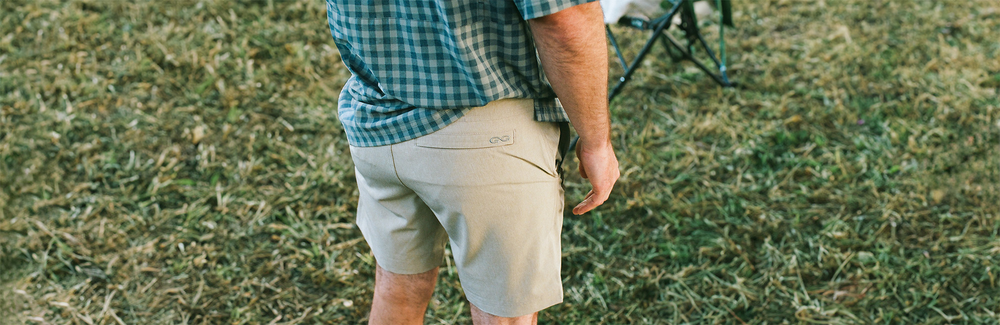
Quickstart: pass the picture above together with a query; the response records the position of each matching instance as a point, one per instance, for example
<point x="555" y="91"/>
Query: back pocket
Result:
<point x="466" y="140"/>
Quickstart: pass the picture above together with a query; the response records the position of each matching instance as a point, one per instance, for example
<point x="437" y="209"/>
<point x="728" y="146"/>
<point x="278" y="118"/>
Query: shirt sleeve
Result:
<point x="531" y="9"/>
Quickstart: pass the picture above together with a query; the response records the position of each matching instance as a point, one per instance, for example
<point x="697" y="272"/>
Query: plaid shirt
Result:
<point x="418" y="65"/>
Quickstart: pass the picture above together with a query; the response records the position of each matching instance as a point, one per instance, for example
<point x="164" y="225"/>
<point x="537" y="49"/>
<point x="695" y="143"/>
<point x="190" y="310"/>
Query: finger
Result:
<point x="585" y="205"/>
<point x="600" y="195"/>
<point x="594" y="198"/>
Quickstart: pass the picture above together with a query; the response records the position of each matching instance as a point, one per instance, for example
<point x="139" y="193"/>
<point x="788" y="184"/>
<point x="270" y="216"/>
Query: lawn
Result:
<point x="169" y="162"/>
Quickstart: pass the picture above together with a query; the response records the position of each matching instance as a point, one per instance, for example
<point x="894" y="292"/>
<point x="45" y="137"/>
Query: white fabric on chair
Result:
<point x="643" y="9"/>
<point x="614" y="10"/>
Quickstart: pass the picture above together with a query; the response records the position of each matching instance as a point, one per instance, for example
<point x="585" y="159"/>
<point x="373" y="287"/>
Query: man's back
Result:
<point x="429" y="61"/>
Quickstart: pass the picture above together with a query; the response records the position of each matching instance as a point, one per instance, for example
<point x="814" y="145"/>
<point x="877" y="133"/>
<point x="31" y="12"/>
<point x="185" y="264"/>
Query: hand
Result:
<point x="599" y="165"/>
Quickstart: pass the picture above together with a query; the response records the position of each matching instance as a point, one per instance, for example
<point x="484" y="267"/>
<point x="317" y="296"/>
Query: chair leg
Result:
<point x="659" y="26"/>
<point x="722" y="79"/>
<point x="614" y="44"/>
<point x="716" y="60"/>
<point x="638" y="60"/>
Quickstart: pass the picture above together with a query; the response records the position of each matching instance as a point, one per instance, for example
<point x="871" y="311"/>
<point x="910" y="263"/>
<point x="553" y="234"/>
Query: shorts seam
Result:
<point x="395" y="171"/>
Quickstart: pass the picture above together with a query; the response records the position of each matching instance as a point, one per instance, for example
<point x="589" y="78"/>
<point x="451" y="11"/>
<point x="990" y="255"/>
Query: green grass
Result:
<point x="167" y="162"/>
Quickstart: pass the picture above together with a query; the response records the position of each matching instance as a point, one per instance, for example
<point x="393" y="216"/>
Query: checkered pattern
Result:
<point x="419" y="65"/>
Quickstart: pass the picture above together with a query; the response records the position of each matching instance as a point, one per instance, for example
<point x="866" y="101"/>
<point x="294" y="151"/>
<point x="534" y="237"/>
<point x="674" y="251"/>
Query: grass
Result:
<point x="168" y="162"/>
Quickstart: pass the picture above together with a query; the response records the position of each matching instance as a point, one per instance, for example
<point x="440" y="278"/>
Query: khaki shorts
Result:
<point x="488" y="185"/>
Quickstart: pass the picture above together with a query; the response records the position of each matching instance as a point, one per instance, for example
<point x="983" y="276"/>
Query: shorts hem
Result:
<point x="395" y="268"/>
<point x="493" y="309"/>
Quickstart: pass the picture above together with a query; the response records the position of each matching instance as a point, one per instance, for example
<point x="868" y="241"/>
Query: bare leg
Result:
<point x="401" y="298"/>
<point x="480" y="317"/>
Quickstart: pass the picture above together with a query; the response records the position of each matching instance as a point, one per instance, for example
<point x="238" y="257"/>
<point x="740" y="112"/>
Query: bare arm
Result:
<point x="573" y="51"/>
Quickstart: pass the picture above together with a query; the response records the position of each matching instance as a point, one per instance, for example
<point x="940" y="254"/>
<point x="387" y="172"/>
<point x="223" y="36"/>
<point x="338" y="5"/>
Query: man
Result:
<point x="455" y="136"/>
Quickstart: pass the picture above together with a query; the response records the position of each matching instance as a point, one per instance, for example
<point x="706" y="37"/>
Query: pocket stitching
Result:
<point x="463" y="141"/>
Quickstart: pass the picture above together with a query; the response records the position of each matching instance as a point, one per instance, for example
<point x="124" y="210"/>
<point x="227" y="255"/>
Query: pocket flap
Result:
<point x="466" y="141"/>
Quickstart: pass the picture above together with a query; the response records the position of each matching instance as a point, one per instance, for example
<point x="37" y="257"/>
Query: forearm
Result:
<point x="573" y="52"/>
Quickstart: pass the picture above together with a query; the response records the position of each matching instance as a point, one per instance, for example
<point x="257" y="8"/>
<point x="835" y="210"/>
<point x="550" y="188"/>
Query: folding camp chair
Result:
<point x="689" y="26"/>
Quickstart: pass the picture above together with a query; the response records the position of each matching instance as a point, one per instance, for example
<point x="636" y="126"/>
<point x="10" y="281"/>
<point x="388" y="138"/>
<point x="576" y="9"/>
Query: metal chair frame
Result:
<point x="659" y="26"/>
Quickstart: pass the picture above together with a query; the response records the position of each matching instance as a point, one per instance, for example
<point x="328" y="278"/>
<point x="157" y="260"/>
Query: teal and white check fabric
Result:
<point x="418" y="65"/>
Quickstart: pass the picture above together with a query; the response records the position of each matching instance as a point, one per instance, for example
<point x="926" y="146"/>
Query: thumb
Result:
<point x="586" y="205"/>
